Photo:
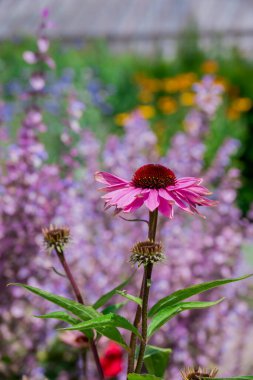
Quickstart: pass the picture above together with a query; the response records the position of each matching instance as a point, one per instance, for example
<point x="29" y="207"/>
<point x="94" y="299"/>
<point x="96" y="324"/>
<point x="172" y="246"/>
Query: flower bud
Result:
<point x="147" y="252"/>
<point x="56" y="237"/>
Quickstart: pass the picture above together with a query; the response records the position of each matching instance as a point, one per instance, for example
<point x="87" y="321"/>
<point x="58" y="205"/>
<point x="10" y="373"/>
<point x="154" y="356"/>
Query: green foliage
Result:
<point x="59" y="357"/>
<point x="61" y="316"/>
<point x="182" y="294"/>
<point x="130" y="297"/>
<point x="113" y="308"/>
<point x="165" y="314"/>
<point x="111" y="320"/>
<point x="156" y="360"/>
<point x="85" y="313"/>
<point x="106" y="297"/>
<point x="135" y="376"/>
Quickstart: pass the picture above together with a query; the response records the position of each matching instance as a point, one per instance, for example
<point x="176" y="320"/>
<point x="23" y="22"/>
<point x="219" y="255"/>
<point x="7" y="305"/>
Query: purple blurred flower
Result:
<point x="208" y="95"/>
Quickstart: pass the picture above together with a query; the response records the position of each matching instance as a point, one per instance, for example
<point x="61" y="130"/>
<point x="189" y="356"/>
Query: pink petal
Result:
<point x="166" y="208"/>
<point x="109" y="179"/>
<point x="43" y="44"/>
<point x="195" y="211"/>
<point x="37" y="81"/>
<point x="180" y="201"/>
<point x="152" y="202"/>
<point x="137" y="203"/>
<point x="184" y="183"/>
<point x="201" y="190"/>
<point x="164" y="194"/>
<point x="114" y="196"/>
<point x="49" y="61"/>
<point x="111" y="188"/>
<point x="129" y="197"/>
<point x="30" y="57"/>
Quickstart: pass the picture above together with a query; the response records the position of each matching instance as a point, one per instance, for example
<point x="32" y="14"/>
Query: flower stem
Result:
<point x="70" y="276"/>
<point x="153" y="216"/>
<point x="144" y="293"/>
<point x="133" y="338"/>
<point x="79" y="298"/>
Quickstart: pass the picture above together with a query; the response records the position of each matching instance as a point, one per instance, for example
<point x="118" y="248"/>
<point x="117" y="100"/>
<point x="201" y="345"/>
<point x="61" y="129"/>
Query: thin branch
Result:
<point x="57" y="272"/>
<point x="134" y="220"/>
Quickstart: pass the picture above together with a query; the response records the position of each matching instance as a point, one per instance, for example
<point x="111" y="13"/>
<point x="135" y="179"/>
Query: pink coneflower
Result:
<point x="155" y="186"/>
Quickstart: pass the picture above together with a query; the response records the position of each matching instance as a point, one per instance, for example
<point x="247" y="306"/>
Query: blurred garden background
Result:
<point x="91" y="85"/>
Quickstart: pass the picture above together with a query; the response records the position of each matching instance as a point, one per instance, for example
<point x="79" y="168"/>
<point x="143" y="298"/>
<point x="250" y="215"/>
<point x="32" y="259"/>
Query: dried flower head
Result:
<point x="147" y="252"/>
<point x="56" y="237"/>
<point x="198" y="373"/>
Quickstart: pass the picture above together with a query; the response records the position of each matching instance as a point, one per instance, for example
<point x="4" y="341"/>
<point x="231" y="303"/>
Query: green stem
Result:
<point x="79" y="298"/>
<point x="153" y="216"/>
<point x="133" y="339"/>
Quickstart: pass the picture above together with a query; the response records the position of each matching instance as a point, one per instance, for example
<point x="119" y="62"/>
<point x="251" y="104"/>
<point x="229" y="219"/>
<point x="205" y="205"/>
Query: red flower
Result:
<point x="112" y="361"/>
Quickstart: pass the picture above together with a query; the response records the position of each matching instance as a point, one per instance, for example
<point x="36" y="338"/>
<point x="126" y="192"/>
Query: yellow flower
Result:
<point x="242" y="104"/>
<point x="167" y="105"/>
<point x="210" y="67"/>
<point x="145" y="96"/>
<point x="179" y="83"/>
<point x="186" y="80"/>
<point x="121" y="118"/>
<point x="187" y="99"/>
<point x="146" y="111"/>
<point x="232" y="114"/>
<point x="148" y="84"/>
<point x="170" y="85"/>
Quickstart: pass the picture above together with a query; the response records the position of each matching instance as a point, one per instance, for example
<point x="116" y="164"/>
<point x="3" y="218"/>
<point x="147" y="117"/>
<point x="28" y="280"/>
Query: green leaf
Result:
<point x="183" y="294"/>
<point x="105" y="298"/>
<point x="113" y="308"/>
<point x="164" y="315"/>
<point x="83" y="312"/>
<point x="123" y="293"/>
<point x="61" y="315"/>
<point x="136" y="376"/>
<point x="156" y="360"/>
<point x="106" y="320"/>
<point x="113" y="333"/>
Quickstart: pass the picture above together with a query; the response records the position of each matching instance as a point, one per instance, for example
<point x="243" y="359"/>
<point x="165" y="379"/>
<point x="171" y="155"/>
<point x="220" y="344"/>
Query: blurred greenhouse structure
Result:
<point x="142" y="26"/>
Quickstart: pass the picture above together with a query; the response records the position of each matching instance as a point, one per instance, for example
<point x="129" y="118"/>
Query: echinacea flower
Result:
<point x="198" y="373"/>
<point x="56" y="237"/>
<point x="156" y="187"/>
<point x="147" y="252"/>
<point x="112" y="360"/>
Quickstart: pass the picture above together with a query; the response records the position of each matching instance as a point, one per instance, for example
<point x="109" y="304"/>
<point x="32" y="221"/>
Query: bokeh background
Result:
<point x="90" y="85"/>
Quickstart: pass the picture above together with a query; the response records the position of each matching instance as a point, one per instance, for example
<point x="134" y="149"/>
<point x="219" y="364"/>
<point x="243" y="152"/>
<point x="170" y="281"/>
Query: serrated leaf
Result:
<point x="106" y="297"/>
<point x="130" y="297"/>
<point x="183" y="294"/>
<point x="106" y="320"/>
<point x="164" y="315"/>
<point x="156" y="360"/>
<point x="113" y="308"/>
<point x="136" y="376"/>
